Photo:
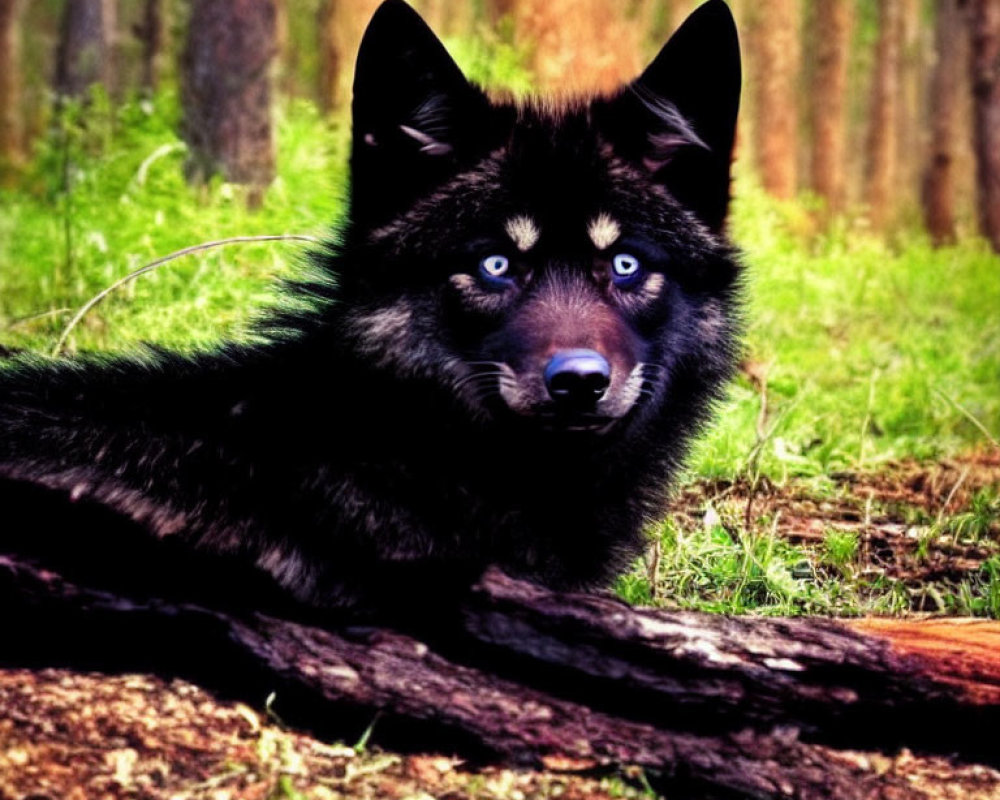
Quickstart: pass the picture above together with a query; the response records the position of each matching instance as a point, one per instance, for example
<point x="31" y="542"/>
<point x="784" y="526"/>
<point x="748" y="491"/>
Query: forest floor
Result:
<point x="69" y="736"/>
<point x="909" y="536"/>
<point x="73" y="736"/>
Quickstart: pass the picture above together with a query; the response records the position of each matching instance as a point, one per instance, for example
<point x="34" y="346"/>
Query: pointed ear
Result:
<point x="412" y="113"/>
<point x="678" y="119"/>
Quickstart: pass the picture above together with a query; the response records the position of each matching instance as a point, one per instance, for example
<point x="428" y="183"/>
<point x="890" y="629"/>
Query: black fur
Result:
<point x="396" y="435"/>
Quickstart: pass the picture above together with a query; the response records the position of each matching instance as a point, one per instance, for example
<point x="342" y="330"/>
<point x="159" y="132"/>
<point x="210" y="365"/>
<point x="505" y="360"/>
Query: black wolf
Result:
<point x="512" y="341"/>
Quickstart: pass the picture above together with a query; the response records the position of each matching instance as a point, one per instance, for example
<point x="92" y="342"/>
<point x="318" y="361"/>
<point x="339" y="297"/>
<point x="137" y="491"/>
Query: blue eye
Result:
<point x="495" y="269"/>
<point x="625" y="269"/>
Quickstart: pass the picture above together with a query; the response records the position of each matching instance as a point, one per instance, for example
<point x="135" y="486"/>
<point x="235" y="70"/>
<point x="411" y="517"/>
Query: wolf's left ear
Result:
<point x="678" y="119"/>
<point x="413" y="112"/>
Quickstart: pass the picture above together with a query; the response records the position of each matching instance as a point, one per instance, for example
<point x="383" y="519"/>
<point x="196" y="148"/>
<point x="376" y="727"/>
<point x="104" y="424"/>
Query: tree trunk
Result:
<point x="226" y="92"/>
<point x="12" y="137"/>
<point x="152" y="32"/>
<point x="949" y="71"/>
<point x="341" y="23"/>
<point x="774" y="52"/>
<point x="986" y="91"/>
<point x="709" y="706"/>
<point x="912" y="136"/>
<point x="883" y="121"/>
<point x="497" y="10"/>
<point x="677" y="11"/>
<point x="84" y="55"/>
<point x="575" y="56"/>
<point x="831" y="36"/>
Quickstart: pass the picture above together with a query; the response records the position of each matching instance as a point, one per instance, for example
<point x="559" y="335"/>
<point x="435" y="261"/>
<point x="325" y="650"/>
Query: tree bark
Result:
<point x="883" y="121"/>
<point x="226" y="92"/>
<point x="949" y="70"/>
<point x="710" y="706"/>
<point x="986" y="93"/>
<point x="774" y="51"/>
<point x="84" y="56"/>
<point x="152" y="32"/>
<point x="831" y="35"/>
<point x="12" y="136"/>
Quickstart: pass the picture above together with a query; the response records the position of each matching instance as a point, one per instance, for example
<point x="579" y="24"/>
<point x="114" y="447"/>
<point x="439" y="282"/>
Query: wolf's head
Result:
<point x="557" y="264"/>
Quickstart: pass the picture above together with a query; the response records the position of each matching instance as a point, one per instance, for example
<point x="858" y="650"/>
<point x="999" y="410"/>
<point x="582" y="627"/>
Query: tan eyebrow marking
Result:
<point x="603" y="231"/>
<point x="523" y="231"/>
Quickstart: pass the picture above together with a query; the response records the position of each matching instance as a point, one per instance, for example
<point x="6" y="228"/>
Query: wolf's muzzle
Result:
<point x="577" y="379"/>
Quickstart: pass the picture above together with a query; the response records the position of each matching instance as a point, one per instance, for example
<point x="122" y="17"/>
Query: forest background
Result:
<point x="855" y="465"/>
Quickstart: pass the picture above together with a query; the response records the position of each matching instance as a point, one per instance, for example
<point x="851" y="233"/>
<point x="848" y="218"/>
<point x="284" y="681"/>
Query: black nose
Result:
<point x="577" y="379"/>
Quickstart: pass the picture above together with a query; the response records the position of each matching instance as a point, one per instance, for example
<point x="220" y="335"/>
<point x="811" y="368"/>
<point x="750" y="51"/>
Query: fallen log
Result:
<point x="709" y="706"/>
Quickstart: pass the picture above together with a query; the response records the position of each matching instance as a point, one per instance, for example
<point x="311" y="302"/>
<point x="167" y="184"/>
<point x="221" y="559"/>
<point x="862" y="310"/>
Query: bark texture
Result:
<point x="986" y="92"/>
<point x="226" y="91"/>
<point x="831" y="34"/>
<point x="710" y="706"/>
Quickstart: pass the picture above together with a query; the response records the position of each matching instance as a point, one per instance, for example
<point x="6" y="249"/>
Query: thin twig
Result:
<point x="969" y="416"/>
<point x="868" y="419"/>
<point x="55" y="312"/>
<point x="153" y="265"/>
<point x="951" y="495"/>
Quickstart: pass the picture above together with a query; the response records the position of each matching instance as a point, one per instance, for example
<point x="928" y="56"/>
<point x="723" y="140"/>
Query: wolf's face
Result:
<point x="561" y="266"/>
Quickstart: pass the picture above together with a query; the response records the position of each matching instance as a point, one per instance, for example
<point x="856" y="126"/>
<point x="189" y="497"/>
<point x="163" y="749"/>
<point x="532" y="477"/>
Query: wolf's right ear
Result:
<point x="414" y="114"/>
<point x="678" y="119"/>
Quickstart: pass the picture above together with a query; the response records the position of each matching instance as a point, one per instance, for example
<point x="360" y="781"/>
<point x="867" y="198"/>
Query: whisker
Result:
<point x="476" y="377"/>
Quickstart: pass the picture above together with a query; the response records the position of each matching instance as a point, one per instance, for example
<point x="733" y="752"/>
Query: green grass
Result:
<point x="724" y="566"/>
<point x="127" y="204"/>
<point x="872" y="351"/>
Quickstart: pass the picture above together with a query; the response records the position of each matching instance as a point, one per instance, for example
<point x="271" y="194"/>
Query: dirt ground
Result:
<point x="66" y="736"/>
<point x="915" y="522"/>
<point x="71" y="736"/>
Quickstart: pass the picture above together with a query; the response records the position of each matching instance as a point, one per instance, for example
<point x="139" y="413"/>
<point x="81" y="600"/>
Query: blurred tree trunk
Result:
<point x="655" y="19"/>
<point x="496" y="10"/>
<point x="986" y="91"/>
<point x="883" y="121"/>
<point x="911" y="128"/>
<point x="12" y="138"/>
<point x="451" y="18"/>
<point x="84" y="55"/>
<point x="329" y="58"/>
<point x="151" y="32"/>
<point x="577" y="57"/>
<point x="226" y="92"/>
<point x="676" y="11"/>
<point x="832" y="22"/>
<point x="340" y="25"/>
<point x="773" y="46"/>
<point x="288" y="53"/>
<point x="939" y="178"/>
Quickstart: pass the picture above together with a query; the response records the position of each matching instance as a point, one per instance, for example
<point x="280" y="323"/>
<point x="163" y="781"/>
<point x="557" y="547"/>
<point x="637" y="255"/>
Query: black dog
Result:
<point x="527" y="317"/>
